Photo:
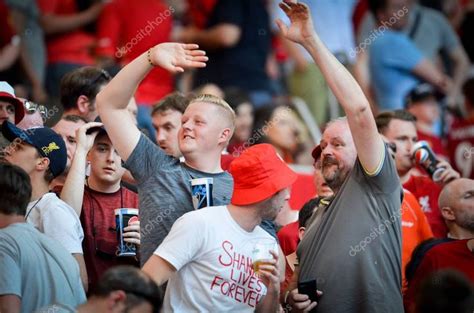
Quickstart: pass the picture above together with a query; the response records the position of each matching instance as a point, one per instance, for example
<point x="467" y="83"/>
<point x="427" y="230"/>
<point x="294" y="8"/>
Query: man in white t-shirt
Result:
<point x="42" y="154"/>
<point x="207" y="256"/>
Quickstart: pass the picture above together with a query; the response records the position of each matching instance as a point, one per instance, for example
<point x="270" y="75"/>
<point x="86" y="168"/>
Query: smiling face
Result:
<point x="403" y="134"/>
<point x="203" y="130"/>
<point x="167" y="124"/>
<point x="338" y="153"/>
<point x="106" y="164"/>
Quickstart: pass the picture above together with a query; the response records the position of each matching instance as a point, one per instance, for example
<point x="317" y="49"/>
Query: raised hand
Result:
<point x="85" y="140"/>
<point x="301" y="27"/>
<point x="175" y="57"/>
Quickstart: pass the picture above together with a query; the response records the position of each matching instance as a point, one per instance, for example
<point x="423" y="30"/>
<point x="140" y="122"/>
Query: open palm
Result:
<point x="301" y="27"/>
<point x="175" y="57"/>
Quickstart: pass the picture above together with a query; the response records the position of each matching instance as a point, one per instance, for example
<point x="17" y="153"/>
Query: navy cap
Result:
<point x="100" y="129"/>
<point x="421" y="92"/>
<point x="48" y="143"/>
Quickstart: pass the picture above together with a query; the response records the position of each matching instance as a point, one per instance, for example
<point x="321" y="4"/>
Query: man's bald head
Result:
<point x="456" y="203"/>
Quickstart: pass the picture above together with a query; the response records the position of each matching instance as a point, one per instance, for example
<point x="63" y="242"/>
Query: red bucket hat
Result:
<point x="259" y="173"/>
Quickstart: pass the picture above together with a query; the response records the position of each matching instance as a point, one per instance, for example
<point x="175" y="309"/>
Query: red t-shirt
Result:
<point x="454" y="254"/>
<point x="126" y="29"/>
<point x="415" y="229"/>
<point x="288" y="237"/>
<point x="461" y="147"/>
<point x="71" y="47"/>
<point x="199" y="12"/>
<point x="98" y="212"/>
<point x="427" y="193"/>
<point x="6" y="31"/>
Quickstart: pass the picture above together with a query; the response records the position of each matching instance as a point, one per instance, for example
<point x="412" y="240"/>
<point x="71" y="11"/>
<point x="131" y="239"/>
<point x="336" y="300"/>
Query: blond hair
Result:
<point x="229" y="113"/>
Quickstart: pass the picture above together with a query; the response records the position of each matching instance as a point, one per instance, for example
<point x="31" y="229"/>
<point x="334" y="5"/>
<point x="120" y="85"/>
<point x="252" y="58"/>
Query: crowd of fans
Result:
<point x="155" y="105"/>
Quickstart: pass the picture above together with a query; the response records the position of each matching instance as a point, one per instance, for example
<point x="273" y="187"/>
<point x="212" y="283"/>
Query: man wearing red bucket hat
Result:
<point x="352" y="248"/>
<point x="214" y="250"/>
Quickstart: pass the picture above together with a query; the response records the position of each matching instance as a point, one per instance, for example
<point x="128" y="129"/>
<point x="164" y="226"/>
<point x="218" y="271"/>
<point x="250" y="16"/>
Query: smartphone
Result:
<point x="308" y="288"/>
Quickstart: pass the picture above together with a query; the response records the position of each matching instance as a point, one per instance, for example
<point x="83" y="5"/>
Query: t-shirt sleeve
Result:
<point x="64" y="227"/>
<point x="10" y="274"/>
<point x="228" y="11"/>
<point x="403" y="54"/>
<point x="386" y="179"/>
<point x="183" y="242"/>
<point x="146" y="158"/>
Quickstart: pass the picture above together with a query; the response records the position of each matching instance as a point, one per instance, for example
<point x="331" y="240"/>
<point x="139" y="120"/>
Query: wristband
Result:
<point x="148" y="56"/>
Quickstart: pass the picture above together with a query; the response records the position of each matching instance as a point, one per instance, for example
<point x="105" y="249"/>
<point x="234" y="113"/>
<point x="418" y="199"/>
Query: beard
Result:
<point x="466" y="221"/>
<point x="334" y="178"/>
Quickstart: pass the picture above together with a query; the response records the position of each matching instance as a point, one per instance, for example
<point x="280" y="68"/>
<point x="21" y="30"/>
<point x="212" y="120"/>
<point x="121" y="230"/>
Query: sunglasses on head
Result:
<point x="32" y="107"/>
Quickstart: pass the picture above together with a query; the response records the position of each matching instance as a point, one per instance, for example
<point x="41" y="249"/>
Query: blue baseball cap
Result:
<point x="48" y="143"/>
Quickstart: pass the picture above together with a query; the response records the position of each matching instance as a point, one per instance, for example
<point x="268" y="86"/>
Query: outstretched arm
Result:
<point x="112" y="101"/>
<point x="368" y="142"/>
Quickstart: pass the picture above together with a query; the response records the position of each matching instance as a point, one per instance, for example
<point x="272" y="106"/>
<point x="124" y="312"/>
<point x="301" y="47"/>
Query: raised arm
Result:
<point x="73" y="189"/>
<point x="112" y="101"/>
<point x="368" y="142"/>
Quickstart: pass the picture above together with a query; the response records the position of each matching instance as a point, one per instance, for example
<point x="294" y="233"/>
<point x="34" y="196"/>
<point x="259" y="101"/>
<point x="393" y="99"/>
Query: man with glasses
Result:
<point x="96" y="200"/>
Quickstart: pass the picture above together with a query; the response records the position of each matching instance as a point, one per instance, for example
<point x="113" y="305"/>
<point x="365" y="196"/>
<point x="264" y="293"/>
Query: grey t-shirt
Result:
<point x="164" y="192"/>
<point x="433" y="35"/>
<point x="354" y="252"/>
<point x="37" y="269"/>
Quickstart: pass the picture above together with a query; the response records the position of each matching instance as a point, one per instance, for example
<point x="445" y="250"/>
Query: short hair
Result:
<point x="383" y="119"/>
<point x="15" y="190"/>
<point x="84" y="81"/>
<point x="468" y="90"/>
<point x="73" y="118"/>
<point x="376" y="5"/>
<point x="235" y="96"/>
<point x="175" y="101"/>
<point x="138" y="286"/>
<point x="307" y="211"/>
<point x="230" y="114"/>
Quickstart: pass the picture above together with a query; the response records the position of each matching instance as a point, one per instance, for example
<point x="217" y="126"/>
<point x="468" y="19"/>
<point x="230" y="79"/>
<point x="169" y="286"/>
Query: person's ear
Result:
<point x="42" y="164"/>
<point x="301" y="231"/>
<point x="447" y="213"/>
<point x="83" y="103"/>
<point x="115" y="301"/>
<point x="225" y="135"/>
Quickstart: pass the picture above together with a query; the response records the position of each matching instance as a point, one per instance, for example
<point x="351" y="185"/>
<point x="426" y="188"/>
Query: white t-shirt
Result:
<point x="57" y="220"/>
<point x="213" y="258"/>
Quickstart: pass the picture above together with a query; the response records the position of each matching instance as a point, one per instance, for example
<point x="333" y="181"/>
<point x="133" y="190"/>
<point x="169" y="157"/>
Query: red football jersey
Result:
<point x="461" y="147"/>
